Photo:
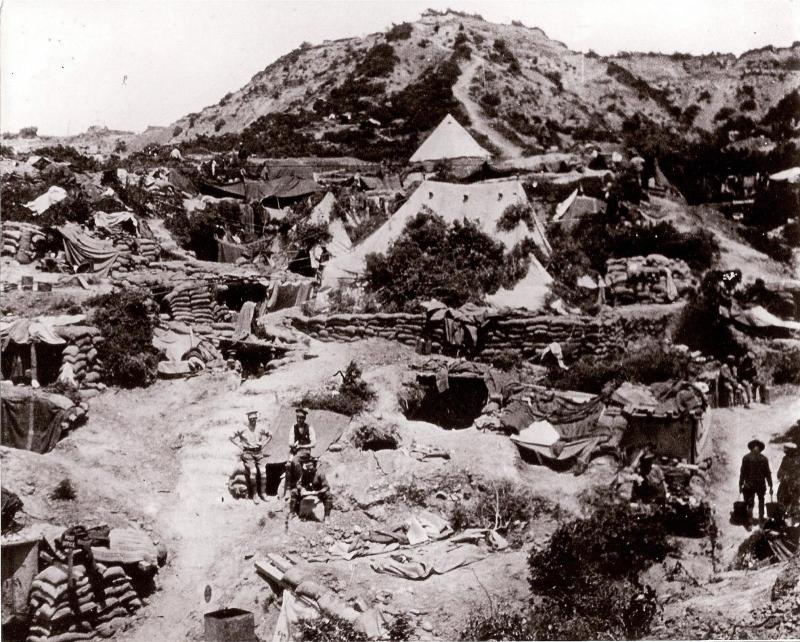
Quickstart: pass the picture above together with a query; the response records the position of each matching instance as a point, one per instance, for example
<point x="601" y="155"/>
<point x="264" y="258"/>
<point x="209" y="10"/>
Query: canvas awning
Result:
<point x="31" y="419"/>
<point x="81" y="249"/>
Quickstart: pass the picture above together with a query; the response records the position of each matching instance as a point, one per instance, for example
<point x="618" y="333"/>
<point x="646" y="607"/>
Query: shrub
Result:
<point x="700" y="326"/>
<point x="126" y="320"/>
<point x="587" y="576"/>
<point x="485" y="622"/>
<point x="379" y="61"/>
<point x="219" y="124"/>
<point x="328" y="628"/>
<point x="785" y="367"/>
<point x="748" y="105"/>
<point x="354" y="394"/>
<point x="646" y="366"/>
<point x="513" y="215"/>
<point x="400" y="628"/>
<point x="177" y="130"/>
<point x="402" y="31"/>
<point x="773" y="247"/>
<point x="502" y="505"/>
<point x="28" y="132"/>
<point x="64" y="491"/>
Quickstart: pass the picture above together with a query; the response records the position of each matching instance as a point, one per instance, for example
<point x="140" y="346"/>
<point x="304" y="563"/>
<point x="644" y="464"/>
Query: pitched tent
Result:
<point x="449" y="141"/>
<point x="483" y="203"/>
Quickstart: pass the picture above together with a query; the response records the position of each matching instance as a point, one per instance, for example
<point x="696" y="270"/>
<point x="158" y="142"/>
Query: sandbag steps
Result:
<point x="19" y="240"/>
<point x="80" y="356"/>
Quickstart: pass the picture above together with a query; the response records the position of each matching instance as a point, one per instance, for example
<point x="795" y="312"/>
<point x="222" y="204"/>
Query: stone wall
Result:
<point x="527" y="336"/>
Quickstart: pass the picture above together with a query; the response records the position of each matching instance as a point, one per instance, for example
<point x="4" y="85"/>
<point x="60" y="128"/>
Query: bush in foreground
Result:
<point x="585" y="582"/>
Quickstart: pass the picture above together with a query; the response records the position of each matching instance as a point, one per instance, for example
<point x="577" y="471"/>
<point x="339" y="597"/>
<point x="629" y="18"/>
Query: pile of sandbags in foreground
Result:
<point x="92" y="587"/>
<point x="19" y="240"/>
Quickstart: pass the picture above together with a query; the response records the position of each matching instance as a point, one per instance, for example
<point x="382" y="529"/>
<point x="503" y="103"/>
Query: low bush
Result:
<point x="700" y="326"/>
<point x="126" y="320"/>
<point x="773" y="247"/>
<point x="328" y="628"/>
<point x="402" y="31"/>
<point x="64" y="491"/>
<point x="784" y="366"/>
<point x="354" y="395"/>
<point x="501" y="505"/>
<point x="504" y="622"/>
<point x="646" y="365"/>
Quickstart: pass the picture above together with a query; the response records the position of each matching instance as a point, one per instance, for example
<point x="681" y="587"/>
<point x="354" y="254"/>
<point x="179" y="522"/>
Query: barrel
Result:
<point x="230" y="625"/>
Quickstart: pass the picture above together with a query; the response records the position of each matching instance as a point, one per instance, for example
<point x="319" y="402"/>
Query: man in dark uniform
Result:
<point x="754" y="477"/>
<point x="312" y="482"/>
<point x="302" y="440"/>
<point x="789" y="478"/>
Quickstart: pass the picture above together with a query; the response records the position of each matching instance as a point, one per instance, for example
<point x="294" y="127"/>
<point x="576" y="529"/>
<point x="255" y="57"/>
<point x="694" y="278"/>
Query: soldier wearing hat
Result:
<point x="754" y="477"/>
<point x="251" y="444"/>
<point x="302" y="440"/>
<point x="789" y="477"/>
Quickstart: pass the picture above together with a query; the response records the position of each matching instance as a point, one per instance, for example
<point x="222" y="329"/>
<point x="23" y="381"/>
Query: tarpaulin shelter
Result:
<point x="111" y="221"/>
<point x="671" y="420"/>
<point x="83" y="251"/>
<point x="32" y="419"/>
<point x="759" y="321"/>
<point x="288" y="294"/>
<point x="35" y="344"/>
<point x="228" y="252"/>
<point x="449" y="141"/>
<point x="275" y="192"/>
<point x="462" y="327"/>
<point x="582" y="431"/>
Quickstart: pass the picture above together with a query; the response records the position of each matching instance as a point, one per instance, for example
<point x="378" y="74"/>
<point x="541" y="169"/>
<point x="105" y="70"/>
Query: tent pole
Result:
<point x="34" y="364"/>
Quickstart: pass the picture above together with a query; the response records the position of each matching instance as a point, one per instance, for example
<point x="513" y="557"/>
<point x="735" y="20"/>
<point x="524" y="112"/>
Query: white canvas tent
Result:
<point x="483" y="203"/>
<point x="449" y="141"/>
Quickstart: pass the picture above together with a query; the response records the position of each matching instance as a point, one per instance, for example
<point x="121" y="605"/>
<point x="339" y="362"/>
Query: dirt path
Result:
<point x="479" y="121"/>
<point x="733" y="428"/>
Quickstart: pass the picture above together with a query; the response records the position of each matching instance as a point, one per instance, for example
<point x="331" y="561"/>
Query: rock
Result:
<point x="426" y="626"/>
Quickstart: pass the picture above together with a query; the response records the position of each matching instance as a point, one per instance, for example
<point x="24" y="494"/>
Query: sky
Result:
<point x="127" y="64"/>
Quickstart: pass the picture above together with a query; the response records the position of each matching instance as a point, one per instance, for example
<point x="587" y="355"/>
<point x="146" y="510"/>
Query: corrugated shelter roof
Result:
<point x="449" y="140"/>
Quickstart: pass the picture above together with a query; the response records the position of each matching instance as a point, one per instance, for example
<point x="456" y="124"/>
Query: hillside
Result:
<point x="532" y="91"/>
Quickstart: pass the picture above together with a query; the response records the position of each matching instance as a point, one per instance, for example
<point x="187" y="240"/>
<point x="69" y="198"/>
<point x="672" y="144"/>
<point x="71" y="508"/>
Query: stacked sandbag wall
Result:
<point x="193" y="303"/>
<point x="19" y="239"/>
<point x="402" y="327"/>
<point x="80" y="354"/>
<point x="148" y="248"/>
<point x="642" y="279"/>
<point x="527" y="336"/>
<point x="93" y="609"/>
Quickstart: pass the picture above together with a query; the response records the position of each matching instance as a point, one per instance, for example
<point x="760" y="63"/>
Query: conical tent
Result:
<point x="449" y="140"/>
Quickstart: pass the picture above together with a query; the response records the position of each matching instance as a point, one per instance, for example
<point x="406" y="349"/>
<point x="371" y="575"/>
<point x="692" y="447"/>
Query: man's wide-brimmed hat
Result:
<point x="756" y="443"/>
<point x="730" y="357"/>
<point x="301" y="411"/>
<point x="252" y="413"/>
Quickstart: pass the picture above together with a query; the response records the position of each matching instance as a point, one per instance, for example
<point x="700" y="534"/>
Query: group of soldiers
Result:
<point x="302" y="474"/>
<point x="755" y="477"/>
<point x="739" y="380"/>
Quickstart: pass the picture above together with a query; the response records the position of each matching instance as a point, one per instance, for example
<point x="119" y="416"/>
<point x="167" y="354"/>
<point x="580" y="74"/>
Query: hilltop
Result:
<point x="376" y="96"/>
